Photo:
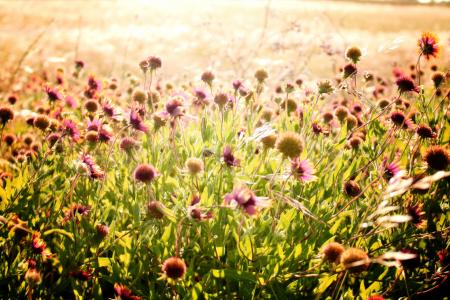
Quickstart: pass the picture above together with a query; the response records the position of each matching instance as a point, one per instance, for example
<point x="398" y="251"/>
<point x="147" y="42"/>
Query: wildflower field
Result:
<point x="224" y="150"/>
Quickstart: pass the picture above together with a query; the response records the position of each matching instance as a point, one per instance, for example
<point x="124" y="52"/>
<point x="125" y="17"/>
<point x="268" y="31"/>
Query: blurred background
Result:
<point x="231" y="37"/>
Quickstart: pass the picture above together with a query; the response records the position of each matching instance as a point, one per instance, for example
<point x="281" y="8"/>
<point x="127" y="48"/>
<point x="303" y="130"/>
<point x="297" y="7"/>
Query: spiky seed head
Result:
<point x="194" y="165"/>
<point x="333" y="251"/>
<point x="174" y="268"/>
<point x="290" y="144"/>
<point x="355" y="260"/>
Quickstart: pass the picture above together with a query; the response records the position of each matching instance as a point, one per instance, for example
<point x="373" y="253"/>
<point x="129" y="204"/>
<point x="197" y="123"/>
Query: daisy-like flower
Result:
<point x="125" y="293"/>
<point x="302" y="170"/>
<point x="390" y="169"/>
<point x="428" y="45"/>
<point x="406" y="84"/>
<point x="136" y="121"/>
<point x="93" y="169"/>
<point x="175" y="107"/>
<point x="53" y="94"/>
<point x="94" y="124"/>
<point x="145" y="173"/>
<point x="70" y="128"/>
<point x="417" y="215"/>
<point x="399" y="119"/>
<point x="76" y="210"/>
<point x="243" y="197"/>
<point x="229" y="158"/>
<point x="109" y="110"/>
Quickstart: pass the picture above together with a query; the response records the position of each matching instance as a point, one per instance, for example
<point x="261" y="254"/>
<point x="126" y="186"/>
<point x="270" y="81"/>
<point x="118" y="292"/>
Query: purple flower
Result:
<point x="302" y="170"/>
<point x="229" y="158"/>
<point x="93" y="169"/>
<point x="145" y="173"/>
<point x="406" y="84"/>
<point x="105" y="134"/>
<point x="71" y="102"/>
<point x="127" y="144"/>
<point x="94" y="125"/>
<point x="53" y="94"/>
<point x="94" y="84"/>
<point x="109" y="110"/>
<point x="175" y="107"/>
<point x="243" y="197"/>
<point x="136" y="121"/>
<point x="70" y="128"/>
<point x="390" y="169"/>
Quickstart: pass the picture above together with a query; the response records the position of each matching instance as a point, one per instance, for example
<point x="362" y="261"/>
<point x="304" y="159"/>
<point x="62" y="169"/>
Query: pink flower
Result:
<point x="229" y="158"/>
<point x="52" y="93"/>
<point x="243" y="197"/>
<point x="302" y="169"/>
<point x="70" y="128"/>
<point x="136" y="121"/>
<point x="94" y="170"/>
<point x="390" y="169"/>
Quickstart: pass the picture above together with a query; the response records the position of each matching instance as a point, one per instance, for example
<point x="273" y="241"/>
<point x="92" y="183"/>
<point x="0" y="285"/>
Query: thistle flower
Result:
<point x="174" y="268"/>
<point x="290" y="144"/>
<point x="194" y="165"/>
<point x="6" y="115"/>
<point x="355" y="260"/>
<point x="145" y="173"/>
<point x="243" y="197"/>
<point x="136" y="121"/>
<point x="437" y="158"/>
<point x="229" y="158"/>
<point x="302" y="170"/>
<point x="105" y="134"/>
<point x="333" y="251"/>
<point x="406" y="84"/>
<point x="125" y="293"/>
<point x="428" y="45"/>
<point x="425" y="132"/>
<point x="353" y="53"/>
<point x="156" y="209"/>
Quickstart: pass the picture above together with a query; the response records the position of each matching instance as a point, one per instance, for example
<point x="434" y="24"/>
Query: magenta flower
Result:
<point x="229" y="158"/>
<point x="302" y="170"/>
<point x="406" y="84"/>
<point x="136" y="121"/>
<point x="93" y="169"/>
<point x="175" y="107"/>
<point x="145" y="173"/>
<point x="243" y="197"/>
<point x="390" y="169"/>
<point x="75" y="210"/>
<point x="127" y="144"/>
<point x="105" y="134"/>
<point x="71" y="102"/>
<point x="70" y="128"/>
<point x="52" y="93"/>
<point x="94" y="84"/>
<point x="109" y="110"/>
<point x="94" y="125"/>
